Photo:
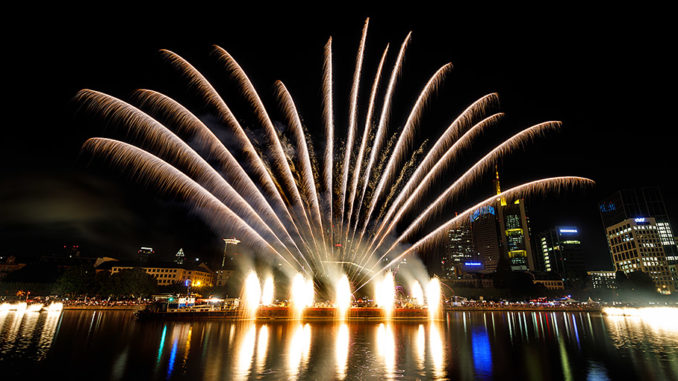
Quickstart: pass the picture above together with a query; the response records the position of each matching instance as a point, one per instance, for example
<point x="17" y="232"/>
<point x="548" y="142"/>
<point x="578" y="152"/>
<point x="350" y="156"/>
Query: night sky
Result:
<point x="608" y="74"/>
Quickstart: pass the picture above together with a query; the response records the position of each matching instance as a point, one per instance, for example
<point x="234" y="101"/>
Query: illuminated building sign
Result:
<point x="472" y="264"/>
<point x="639" y="220"/>
<point x="607" y="207"/>
<point x="483" y="210"/>
<point x="568" y="231"/>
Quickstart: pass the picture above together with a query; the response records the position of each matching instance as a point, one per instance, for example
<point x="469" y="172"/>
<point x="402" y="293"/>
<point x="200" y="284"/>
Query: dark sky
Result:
<point x="608" y="74"/>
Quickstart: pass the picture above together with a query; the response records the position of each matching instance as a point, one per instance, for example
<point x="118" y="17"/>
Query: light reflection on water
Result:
<point x="26" y="335"/>
<point x="341" y="348"/>
<point x="386" y="348"/>
<point x="465" y="345"/>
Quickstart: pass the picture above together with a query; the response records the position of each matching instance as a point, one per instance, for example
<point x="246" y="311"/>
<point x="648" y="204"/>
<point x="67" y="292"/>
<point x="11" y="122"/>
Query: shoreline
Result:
<point x="357" y="315"/>
<point x="447" y="309"/>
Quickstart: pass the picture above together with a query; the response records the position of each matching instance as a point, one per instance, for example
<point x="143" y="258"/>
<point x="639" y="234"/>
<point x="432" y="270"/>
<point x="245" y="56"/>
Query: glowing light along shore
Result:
<point x="333" y="212"/>
<point x="665" y="318"/>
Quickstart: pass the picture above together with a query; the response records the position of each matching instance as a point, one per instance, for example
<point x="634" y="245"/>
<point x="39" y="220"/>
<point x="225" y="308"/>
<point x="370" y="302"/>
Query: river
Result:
<point x="111" y="345"/>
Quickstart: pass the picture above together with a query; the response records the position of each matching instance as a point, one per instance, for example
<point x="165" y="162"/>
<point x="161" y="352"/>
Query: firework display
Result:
<point x="326" y="212"/>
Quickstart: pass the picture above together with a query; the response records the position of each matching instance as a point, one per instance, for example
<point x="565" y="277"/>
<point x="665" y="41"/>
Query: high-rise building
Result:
<point x="635" y="245"/>
<point x="559" y="250"/>
<point x="514" y="230"/>
<point x="502" y="230"/>
<point x="639" y="203"/>
<point x="459" y="251"/>
<point x="515" y="235"/>
<point x="485" y="237"/>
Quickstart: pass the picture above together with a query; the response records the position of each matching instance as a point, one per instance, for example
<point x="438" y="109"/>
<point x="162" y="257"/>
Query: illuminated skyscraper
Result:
<point x="514" y="231"/>
<point x="640" y="203"/>
<point x="635" y="245"/>
<point x="485" y="237"/>
<point x="502" y="230"/>
<point x="458" y="251"/>
<point x="559" y="250"/>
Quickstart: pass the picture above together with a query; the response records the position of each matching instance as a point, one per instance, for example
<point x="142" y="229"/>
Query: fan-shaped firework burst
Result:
<point x="327" y="211"/>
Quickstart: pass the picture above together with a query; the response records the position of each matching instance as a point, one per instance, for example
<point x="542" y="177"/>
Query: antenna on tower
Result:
<point x="497" y="185"/>
<point x="227" y="241"/>
<point x="223" y="274"/>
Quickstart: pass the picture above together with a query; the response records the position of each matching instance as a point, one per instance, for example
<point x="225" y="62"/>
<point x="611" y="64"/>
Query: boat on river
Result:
<point x="159" y="311"/>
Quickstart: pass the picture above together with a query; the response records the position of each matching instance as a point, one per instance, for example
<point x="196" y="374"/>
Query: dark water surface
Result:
<point x="111" y="345"/>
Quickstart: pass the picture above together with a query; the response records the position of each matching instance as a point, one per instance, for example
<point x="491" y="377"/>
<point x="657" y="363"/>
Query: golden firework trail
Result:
<point x="405" y="139"/>
<point x="363" y="145"/>
<point x="310" y="214"/>
<point x="145" y="167"/>
<point x="381" y="128"/>
<point x="193" y="129"/>
<point x="328" y="116"/>
<point x="308" y="187"/>
<point x="351" y="130"/>
<point x="166" y="144"/>
<point x="212" y="98"/>
<point x="280" y="162"/>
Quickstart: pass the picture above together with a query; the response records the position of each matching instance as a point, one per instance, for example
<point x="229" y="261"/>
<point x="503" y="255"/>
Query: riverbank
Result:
<point x="354" y="314"/>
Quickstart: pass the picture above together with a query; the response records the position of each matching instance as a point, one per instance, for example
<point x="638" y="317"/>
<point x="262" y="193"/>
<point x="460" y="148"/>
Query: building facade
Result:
<point x="550" y="284"/>
<point x="635" y="245"/>
<point x="603" y="279"/>
<point x="673" y="269"/>
<point x="640" y="203"/>
<point x="485" y="237"/>
<point x="559" y="250"/>
<point x="501" y="231"/>
<point x="169" y="273"/>
<point x="514" y="230"/>
<point x="458" y="251"/>
<point x="515" y="237"/>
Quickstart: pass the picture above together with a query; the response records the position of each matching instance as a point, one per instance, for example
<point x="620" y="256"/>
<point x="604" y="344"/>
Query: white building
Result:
<point x="168" y="273"/>
<point x="635" y="245"/>
<point x="603" y="279"/>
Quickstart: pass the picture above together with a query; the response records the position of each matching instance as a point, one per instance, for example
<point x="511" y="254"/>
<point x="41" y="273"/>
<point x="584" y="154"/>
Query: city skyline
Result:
<point x="49" y="184"/>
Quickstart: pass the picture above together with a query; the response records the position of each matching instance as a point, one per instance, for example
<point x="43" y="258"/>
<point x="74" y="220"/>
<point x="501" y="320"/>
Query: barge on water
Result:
<point x="278" y="313"/>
